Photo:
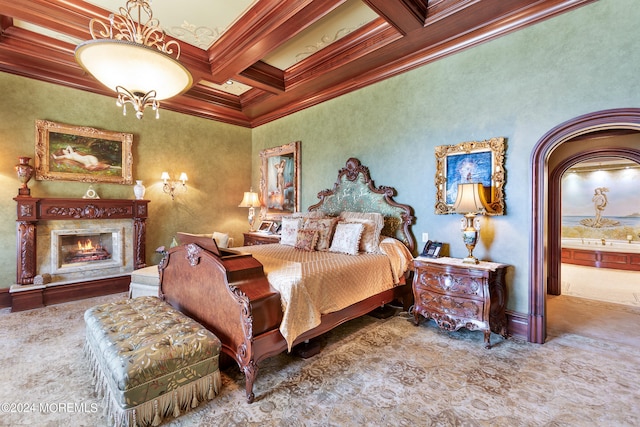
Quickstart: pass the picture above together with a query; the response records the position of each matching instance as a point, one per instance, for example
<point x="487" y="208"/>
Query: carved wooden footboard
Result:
<point x="227" y="294"/>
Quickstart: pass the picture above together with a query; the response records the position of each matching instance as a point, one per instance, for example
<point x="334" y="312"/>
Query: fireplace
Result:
<point x="76" y="248"/>
<point x="86" y="249"/>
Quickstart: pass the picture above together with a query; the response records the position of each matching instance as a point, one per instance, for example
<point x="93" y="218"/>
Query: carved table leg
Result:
<point x="487" y="339"/>
<point x="250" y="374"/>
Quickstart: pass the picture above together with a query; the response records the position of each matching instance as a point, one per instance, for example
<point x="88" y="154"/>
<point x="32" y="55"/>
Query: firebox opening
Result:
<point x="85" y="251"/>
<point x="79" y="250"/>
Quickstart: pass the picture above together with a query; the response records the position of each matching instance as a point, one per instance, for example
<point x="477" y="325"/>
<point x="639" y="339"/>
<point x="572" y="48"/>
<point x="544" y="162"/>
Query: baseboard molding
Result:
<point x="36" y="298"/>
<point x="517" y="325"/>
<point x="5" y="298"/>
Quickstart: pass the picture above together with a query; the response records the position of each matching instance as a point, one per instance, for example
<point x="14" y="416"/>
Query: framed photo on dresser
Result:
<point x="266" y="227"/>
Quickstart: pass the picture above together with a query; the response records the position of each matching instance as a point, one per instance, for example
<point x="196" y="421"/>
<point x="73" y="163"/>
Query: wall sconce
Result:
<point x="171" y="187"/>
<point x="470" y="202"/>
<point x="250" y="200"/>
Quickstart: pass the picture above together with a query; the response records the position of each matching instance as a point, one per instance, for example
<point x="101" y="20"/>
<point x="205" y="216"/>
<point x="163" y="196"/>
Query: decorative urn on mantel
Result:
<point x="25" y="173"/>
<point x="139" y="190"/>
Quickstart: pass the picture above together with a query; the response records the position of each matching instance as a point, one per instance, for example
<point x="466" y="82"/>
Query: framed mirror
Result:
<point x="280" y="181"/>
<point x="471" y="162"/>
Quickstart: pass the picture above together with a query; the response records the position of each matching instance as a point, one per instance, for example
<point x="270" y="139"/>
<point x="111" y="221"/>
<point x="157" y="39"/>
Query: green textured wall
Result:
<point x="518" y="86"/>
<point x="216" y="157"/>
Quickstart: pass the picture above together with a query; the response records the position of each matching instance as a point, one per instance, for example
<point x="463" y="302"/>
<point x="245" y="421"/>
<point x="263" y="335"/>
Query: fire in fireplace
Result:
<point x="86" y="248"/>
<point x="83" y="250"/>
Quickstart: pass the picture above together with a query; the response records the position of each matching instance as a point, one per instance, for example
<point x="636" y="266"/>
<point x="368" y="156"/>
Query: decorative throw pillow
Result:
<point x="289" y="230"/>
<point x="346" y="239"/>
<point x="373" y="224"/>
<point x="306" y="240"/>
<point x="325" y="228"/>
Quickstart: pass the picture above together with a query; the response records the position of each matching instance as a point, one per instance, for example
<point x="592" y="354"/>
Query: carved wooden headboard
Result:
<point x="354" y="191"/>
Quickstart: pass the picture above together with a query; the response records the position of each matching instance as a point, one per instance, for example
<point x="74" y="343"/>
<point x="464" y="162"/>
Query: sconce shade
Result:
<point x="470" y="199"/>
<point x="171" y="187"/>
<point x="249" y="200"/>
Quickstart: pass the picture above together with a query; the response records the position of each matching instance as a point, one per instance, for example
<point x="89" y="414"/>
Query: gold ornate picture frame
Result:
<point x="475" y="161"/>
<point x="280" y="181"/>
<point x="77" y="153"/>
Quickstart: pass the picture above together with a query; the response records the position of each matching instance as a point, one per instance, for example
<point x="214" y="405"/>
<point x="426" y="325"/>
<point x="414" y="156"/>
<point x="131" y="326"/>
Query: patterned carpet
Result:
<point x="370" y="373"/>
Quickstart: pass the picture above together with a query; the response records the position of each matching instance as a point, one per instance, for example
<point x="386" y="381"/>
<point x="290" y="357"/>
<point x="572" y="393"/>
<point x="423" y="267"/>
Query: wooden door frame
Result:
<point x="546" y="212"/>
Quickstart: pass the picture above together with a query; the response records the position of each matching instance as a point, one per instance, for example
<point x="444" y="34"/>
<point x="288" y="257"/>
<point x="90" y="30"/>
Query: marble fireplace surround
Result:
<point x="37" y="217"/>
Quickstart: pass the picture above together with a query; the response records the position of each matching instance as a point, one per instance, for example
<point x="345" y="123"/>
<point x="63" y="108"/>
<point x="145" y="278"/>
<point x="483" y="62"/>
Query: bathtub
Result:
<point x="615" y="254"/>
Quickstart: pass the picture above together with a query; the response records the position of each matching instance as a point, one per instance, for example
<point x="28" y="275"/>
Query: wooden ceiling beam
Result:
<point x="405" y="15"/>
<point x="474" y="25"/>
<point x="360" y="43"/>
<point x="69" y="17"/>
<point x="266" y="26"/>
<point x="368" y="55"/>
<point x="263" y="76"/>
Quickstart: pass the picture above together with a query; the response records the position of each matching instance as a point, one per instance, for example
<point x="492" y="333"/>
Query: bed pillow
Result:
<point x="346" y="239"/>
<point x="289" y="230"/>
<point x="306" y="240"/>
<point x="373" y="223"/>
<point x="325" y="228"/>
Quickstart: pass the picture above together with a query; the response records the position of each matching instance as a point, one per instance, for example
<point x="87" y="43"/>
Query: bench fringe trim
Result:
<point x="152" y="413"/>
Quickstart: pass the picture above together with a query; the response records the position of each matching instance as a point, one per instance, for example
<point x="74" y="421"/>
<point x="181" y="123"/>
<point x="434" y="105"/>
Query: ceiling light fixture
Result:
<point x="133" y="59"/>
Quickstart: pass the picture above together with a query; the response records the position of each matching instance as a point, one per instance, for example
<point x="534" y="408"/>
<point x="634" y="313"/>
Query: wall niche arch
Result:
<point x="582" y="138"/>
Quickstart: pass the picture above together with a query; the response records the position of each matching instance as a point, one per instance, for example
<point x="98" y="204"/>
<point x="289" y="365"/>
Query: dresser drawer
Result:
<point x="448" y="305"/>
<point x="455" y="284"/>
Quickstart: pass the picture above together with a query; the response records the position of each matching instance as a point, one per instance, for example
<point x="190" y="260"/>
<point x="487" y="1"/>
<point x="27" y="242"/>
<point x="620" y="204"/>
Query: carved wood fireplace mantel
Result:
<point x="26" y="294"/>
<point x="32" y="209"/>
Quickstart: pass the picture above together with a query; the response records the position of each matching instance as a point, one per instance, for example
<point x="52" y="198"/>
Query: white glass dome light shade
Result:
<point x="135" y="67"/>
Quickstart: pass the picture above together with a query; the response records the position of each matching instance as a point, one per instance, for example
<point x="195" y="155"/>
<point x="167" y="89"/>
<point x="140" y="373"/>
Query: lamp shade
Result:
<point x="249" y="200"/>
<point x="470" y="199"/>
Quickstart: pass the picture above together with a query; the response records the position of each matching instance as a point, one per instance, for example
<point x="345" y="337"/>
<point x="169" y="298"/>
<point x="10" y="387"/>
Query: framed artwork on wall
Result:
<point x="77" y="153"/>
<point x="280" y="180"/>
<point x="471" y="162"/>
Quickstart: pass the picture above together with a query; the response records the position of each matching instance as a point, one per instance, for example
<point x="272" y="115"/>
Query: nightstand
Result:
<point x="458" y="295"/>
<point x="251" y="239"/>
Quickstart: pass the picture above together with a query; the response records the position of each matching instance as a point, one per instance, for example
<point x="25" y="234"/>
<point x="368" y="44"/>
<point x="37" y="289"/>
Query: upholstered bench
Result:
<point x="149" y="361"/>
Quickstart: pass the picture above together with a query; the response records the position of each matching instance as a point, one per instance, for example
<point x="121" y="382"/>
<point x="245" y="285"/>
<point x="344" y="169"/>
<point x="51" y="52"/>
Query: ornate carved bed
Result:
<point x="228" y="291"/>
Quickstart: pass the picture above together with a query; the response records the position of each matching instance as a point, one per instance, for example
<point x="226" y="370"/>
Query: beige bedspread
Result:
<point x="316" y="283"/>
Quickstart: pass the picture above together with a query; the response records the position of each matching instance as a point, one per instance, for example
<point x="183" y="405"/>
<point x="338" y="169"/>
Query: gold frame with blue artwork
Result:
<point x="474" y="161"/>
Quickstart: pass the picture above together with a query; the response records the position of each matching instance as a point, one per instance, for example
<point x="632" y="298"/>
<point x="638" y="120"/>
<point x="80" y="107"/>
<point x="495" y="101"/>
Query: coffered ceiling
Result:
<point x="254" y="61"/>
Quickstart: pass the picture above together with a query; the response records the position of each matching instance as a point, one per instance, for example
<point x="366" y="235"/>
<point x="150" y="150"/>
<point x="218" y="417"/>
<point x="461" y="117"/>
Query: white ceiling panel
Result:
<point x="197" y="22"/>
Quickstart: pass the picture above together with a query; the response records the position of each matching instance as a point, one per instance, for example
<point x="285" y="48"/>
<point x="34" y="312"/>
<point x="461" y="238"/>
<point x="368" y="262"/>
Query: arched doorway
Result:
<point x="552" y="156"/>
